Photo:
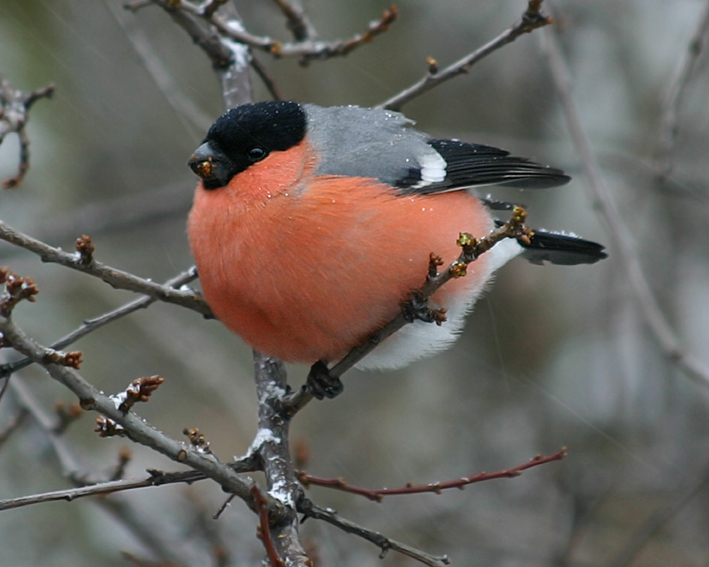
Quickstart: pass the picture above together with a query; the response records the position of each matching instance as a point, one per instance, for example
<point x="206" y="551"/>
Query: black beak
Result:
<point x="209" y="164"/>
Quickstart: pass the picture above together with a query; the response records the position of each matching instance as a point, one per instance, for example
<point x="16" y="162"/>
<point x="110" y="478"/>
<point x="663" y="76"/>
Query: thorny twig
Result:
<point x="378" y="494"/>
<point x="532" y="19"/>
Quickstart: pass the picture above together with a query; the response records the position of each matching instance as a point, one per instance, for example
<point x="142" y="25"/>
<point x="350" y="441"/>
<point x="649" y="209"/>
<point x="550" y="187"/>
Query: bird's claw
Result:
<point x="321" y="384"/>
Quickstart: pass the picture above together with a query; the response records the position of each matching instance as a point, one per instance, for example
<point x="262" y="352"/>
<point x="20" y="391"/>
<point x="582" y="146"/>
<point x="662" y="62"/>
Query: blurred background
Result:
<point x="551" y="357"/>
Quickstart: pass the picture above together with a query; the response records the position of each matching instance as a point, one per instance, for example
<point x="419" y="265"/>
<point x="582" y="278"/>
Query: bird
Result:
<point x="311" y="226"/>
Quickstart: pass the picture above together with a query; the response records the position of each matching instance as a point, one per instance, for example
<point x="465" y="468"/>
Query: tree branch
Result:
<point x="378" y="494"/>
<point x="153" y="478"/>
<point x="133" y="426"/>
<point x="184" y="13"/>
<point x="310" y="510"/>
<point x="115" y="278"/>
<point x="531" y="20"/>
<point x="271" y="445"/>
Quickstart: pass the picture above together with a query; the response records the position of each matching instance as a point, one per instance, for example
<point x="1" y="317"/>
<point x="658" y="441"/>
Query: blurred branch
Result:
<point x="297" y="21"/>
<point x="417" y="308"/>
<point x="71" y="468"/>
<point x="658" y="324"/>
<point x="13" y="425"/>
<point x="310" y="510"/>
<point x="184" y="107"/>
<point x="14" y="114"/>
<point x="532" y="19"/>
<point x="669" y="127"/>
<point x="91" y="325"/>
<point x="378" y="494"/>
<point x="115" y="278"/>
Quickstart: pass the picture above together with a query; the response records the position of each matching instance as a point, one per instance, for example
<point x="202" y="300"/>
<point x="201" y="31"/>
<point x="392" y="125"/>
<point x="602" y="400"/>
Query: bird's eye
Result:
<point x="256" y="154"/>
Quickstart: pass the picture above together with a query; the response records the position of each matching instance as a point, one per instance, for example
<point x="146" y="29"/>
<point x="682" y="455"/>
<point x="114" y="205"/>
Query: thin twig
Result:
<point x="72" y="494"/>
<point x="657" y="322"/>
<point x="186" y="12"/>
<point x="153" y="478"/>
<point x="118" y="279"/>
<point x="264" y="531"/>
<point x="532" y="19"/>
<point x="378" y="494"/>
<point x="266" y="79"/>
<point x="310" y="510"/>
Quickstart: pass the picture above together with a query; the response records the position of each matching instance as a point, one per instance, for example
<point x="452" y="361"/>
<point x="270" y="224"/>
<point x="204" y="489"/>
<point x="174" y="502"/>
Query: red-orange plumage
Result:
<point x="303" y="267"/>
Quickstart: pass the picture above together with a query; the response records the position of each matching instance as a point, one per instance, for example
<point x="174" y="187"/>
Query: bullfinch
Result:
<point x="311" y="226"/>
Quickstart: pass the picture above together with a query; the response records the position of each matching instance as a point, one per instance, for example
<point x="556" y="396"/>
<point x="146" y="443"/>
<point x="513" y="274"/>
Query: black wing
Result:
<point x="470" y="165"/>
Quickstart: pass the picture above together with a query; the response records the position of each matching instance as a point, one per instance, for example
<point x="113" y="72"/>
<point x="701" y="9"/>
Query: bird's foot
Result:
<point x="417" y="309"/>
<point x="321" y="384"/>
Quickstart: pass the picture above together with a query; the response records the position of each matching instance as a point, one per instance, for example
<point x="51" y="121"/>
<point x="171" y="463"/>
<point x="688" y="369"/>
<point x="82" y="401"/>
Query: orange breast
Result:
<point x="304" y="275"/>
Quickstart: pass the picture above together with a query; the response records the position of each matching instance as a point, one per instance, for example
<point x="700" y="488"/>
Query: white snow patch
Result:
<point x="281" y="493"/>
<point x="263" y="436"/>
<point x="118" y="399"/>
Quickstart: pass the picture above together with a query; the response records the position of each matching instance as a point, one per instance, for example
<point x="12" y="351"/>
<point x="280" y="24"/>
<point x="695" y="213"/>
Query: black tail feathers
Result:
<point x="561" y="249"/>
